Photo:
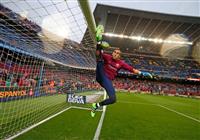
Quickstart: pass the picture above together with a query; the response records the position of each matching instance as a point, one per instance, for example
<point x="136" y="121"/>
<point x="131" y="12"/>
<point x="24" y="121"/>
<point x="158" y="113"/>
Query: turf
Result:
<point x="19" y="114"/>
<point x="139" y="117"/>
<point x="73" y="125"/>
<point x="134" y="116"/>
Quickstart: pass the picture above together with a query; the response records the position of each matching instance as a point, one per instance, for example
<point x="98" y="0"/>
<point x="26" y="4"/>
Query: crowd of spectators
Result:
<point x="75" y="80"/>
<point x="30" y="25"/>
<point x="159" y="87"/>
<point x="80" y="80"/>
<point x="47" y="78"/>
<point x="165" y="67"/>
<point x="8" y="79"/>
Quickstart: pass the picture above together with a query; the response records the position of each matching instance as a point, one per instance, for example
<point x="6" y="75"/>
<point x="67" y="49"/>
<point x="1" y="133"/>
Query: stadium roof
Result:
<point x="129" y="22"/>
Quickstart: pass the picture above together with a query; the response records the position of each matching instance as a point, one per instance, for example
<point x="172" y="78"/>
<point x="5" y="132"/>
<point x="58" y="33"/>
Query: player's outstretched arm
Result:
<point x="145" y="74"/>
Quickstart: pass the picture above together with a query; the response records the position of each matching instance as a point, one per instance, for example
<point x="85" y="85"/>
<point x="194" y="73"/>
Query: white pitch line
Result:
<point x="33" y="126"/>
<point x="98" y="130"/>
<point x="179" y="113"/>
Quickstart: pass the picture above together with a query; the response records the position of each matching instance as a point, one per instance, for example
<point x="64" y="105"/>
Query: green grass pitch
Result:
<point x="133" y="117"/>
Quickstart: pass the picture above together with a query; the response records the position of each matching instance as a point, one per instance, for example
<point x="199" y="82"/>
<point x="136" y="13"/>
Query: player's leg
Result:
<point x="99" y="68"/>
<point x="99" y="72"/>
<point x="99" y="37"/>
<point x="108" y="86"/>
<point x="99" y="78"/>
<point x="99" y="33"/>
<point x="100" y="43"/>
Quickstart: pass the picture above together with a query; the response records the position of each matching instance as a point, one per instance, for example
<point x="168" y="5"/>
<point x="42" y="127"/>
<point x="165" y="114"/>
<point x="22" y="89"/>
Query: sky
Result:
<point x="177" y="7"/>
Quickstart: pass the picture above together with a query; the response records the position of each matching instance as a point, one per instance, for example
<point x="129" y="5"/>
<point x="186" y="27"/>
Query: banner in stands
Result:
<point x="72" y="98"/>
<point x="9" y="93"/>
<point x="15" y="93"/>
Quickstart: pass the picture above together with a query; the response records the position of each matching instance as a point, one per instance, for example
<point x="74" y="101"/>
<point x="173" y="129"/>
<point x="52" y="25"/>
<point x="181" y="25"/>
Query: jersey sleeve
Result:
<point x="106" y="56"/>
<point x="127" y="67"/>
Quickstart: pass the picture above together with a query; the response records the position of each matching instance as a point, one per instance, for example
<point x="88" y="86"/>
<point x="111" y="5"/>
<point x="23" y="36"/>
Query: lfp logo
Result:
<point x="72" y="98"/>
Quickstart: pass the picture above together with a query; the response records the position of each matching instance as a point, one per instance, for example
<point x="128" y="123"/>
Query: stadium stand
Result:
<point x="164" y="67"/>
<point x="157" y="87"/>
<point x="24" y="34"/>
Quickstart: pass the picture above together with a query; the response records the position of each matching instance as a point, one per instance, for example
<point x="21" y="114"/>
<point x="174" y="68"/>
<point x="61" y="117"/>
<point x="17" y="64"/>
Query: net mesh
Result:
<point x="46" y="51"/>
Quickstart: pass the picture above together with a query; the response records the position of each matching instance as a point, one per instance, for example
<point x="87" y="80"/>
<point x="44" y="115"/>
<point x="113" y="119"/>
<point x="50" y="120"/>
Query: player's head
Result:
<point x="116" y="54"/>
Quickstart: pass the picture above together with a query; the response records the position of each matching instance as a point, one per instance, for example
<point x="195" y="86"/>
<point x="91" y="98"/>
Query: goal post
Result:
<point x="85" y="7"/>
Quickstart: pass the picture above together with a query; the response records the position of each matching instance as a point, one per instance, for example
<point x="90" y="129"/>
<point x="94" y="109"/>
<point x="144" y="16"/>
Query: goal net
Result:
<point x="46" y="52"/>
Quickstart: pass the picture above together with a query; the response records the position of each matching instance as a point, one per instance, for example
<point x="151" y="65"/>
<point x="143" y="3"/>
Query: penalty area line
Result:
<point x="169" y="109"/>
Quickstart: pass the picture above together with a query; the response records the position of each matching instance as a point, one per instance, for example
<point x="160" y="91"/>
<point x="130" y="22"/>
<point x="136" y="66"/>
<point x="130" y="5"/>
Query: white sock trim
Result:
<point x="98" y="105"/>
